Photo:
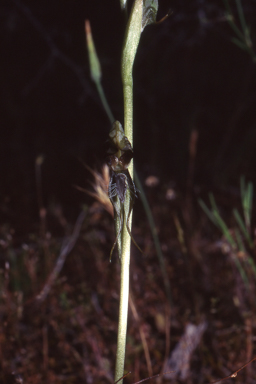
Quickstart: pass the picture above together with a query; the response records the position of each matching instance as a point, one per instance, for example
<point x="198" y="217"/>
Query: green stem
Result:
<point x="145" y="205"/>
<point x="155" y="237"/>
<point x="104" y="101"/>
<point x="131" y="42"/>
<point x="123" y="306"/>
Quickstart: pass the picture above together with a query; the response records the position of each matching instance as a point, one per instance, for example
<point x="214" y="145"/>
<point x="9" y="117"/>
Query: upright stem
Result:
<point x="123" y="309"/>
<point x="155" y="237"/>
<point x="131" y="41"/>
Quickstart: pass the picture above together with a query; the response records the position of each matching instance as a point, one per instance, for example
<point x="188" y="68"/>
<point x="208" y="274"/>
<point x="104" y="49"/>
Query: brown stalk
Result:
<point x="67" y="247"/>
<point x="234" y="374"/>
<point x="142" y="336"/>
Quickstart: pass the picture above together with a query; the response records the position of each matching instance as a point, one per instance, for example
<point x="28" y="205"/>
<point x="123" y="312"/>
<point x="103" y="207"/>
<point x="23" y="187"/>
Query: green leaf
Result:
<point x="241" y="15"/>
<point x="93" y="58"/>
<point x="241" y="270"/>
<point x="243" y="229"/>
<point x="239" y="241"/>
<point x="232" y="24"/>
<point x="207" y="211"/>
<point x="214" y="215"/>
<point x="239" y="43"/>
<point x="95" y="68"/>
<point x="150" y="8"/>
<point x="247" y="204"/>
<point x="240" y="221"/>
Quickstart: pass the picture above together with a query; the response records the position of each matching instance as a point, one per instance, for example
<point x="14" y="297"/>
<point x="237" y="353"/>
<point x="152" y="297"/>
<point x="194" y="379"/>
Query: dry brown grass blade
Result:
<point x="128" y="373"/>
<point x="67" y="247"/>
<point x="153" y="377"/>
<point x="234" y="374"/>
<point x="147" y="378"/>
<point x="100" y="187"/>
<point x="142" y="336"/>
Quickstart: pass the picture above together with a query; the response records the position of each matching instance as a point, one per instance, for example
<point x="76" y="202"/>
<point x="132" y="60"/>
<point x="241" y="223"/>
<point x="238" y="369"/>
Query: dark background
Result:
<point x="188" y="75"/>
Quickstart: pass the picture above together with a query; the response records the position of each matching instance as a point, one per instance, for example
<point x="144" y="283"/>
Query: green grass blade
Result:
<point x="247" y="204"/>
<point x="252" y="264"/>
<point x="240" y="44"/>
<point x="215" y="217"/>
<point x="242" y="227"/>
<point x="232" y="24"/>
<point x="221" y="223"/>
<point x="207" y="211"/>
<point x="243" y="39"/>
<point x="241" y="16"/>
<point x="241" y="271"/>
<point x="224" y="229"/>
<point x="155" y="236"/>
<point x="239" y="241"/>
<point x="95" y="69"/>
<point x="104" y="102"/>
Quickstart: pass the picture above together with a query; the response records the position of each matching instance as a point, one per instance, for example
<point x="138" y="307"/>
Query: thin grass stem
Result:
<point x="155" y="237"/>
<point x="104" y="102"/>
<point x="241" y="17"/>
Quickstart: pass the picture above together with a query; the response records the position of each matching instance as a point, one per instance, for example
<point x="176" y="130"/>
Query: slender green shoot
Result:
<point x="247" y="196"/>
<point x="139" y="185"/>
<point x="243" y="230"/>
<point x="241" y="17"/>
<point x="243" y="37"/>
<point x="239" y="241"/>
<point x="143" y="13"/>
<point x="95" y="69"/>
<point x="134" y="27"/>
<point x="215" y="217"/>
<point x="155" y="237"/>
<point x="131" y="42"/>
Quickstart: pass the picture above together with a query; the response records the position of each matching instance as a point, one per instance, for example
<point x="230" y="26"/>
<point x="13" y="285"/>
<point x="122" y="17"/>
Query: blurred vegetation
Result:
<point x="196" y="122"/>
<point x="196" y="78"/>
